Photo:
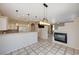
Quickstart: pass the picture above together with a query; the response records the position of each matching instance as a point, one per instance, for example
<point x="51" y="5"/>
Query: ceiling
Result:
<point x="55" y="11"/>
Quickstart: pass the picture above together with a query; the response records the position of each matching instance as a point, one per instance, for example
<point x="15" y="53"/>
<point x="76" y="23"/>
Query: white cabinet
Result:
<point x="3" y="23"/>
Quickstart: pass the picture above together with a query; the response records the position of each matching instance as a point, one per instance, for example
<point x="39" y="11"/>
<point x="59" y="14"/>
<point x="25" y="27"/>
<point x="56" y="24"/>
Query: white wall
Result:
<point x="72" y="30"/>
<point x="11" y="42"/>
<point x="3" y="23"/>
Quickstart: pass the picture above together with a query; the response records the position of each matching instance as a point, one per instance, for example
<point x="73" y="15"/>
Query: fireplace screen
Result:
<point x="61" y="37"/>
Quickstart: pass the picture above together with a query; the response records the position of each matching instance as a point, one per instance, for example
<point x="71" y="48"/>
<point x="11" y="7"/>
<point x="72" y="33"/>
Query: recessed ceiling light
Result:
<point x="35" y="16"/>
<point x="16" y="10"/>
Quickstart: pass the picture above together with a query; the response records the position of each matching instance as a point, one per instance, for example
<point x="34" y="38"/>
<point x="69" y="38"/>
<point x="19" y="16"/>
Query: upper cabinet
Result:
<point x="3" y="23"/>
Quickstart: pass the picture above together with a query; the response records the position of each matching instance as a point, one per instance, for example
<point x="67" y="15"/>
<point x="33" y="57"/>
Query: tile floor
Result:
<point x="44" y="47"/>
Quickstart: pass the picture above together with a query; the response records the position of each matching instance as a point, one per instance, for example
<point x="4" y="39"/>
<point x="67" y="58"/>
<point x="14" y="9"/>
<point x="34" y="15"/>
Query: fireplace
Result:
<point x="61" y="37"/>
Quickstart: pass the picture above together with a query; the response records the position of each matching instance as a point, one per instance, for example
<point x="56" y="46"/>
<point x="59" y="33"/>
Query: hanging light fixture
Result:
<point x="45" y="20"/>
<point x="45" y="12"/>
<point x="44" y="23"/>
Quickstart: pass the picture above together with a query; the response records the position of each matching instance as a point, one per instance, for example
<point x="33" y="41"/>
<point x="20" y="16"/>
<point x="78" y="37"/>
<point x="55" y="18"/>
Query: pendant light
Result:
<point x="45" y="13"/>
<point x="45" y="20"/>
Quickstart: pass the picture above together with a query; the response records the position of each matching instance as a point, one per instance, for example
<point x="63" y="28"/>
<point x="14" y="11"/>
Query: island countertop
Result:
<point x="13" y="41"/>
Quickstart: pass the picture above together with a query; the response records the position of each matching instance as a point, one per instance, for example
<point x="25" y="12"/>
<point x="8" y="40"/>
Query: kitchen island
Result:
<point x="13" y="41"/>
